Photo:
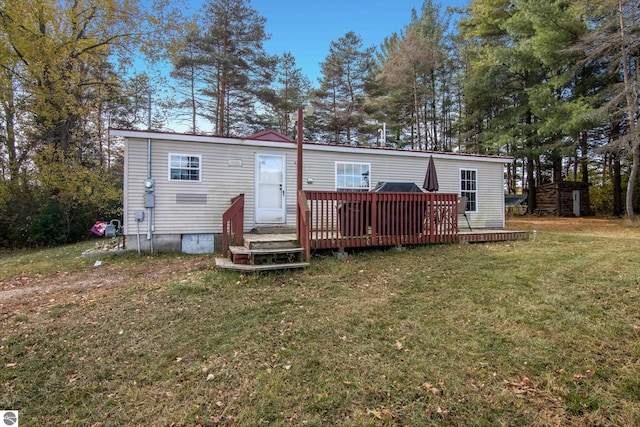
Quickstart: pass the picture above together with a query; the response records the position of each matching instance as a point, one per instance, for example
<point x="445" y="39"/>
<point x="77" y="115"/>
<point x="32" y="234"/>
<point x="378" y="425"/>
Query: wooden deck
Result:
<point x="477" y="236"/>
<point x="328" y="220"/>
<point x="341" y="220"/>
<point x="474" y="236"/>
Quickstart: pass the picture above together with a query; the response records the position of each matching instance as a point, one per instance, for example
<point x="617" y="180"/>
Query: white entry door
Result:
<point x="270" y="189"/>
<point x="576" y="202"/>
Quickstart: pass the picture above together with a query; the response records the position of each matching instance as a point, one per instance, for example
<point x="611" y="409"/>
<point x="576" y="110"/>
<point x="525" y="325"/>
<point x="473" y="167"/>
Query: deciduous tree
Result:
<point x="614" y="40"/>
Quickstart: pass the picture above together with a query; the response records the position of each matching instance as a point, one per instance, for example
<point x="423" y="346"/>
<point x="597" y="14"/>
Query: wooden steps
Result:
<point x="227" y="264"/>
<point x="263" y="252"/>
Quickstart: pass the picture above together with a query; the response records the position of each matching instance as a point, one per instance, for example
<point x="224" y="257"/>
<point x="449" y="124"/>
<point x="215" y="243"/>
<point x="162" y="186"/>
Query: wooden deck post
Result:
<point x="299" y="150"/>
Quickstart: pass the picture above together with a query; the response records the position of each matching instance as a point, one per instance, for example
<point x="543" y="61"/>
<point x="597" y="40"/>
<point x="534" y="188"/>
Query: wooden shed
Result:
<point x="565" y="198"/>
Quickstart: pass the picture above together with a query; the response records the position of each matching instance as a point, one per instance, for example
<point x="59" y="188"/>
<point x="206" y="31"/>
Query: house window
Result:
<point x="184" y="167"/>
<point x="353" y="176"/>
<point x="469" y="188"/>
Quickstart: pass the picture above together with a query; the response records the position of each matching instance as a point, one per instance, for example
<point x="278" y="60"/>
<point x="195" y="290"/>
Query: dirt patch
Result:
<point x="103" y="276"/>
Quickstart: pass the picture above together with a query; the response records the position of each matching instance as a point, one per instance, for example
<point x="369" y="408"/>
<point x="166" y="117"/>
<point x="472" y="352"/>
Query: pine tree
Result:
<point x="291" y="91"/>
<point x="189" y="75"/>
<point x="613" y="41"/>
<point x="502" y="69"/>
<point x="413" y="69"/>
<point x="341" y="94"/>
<point x="238" y="71"/>
<point x="383" y="104"/>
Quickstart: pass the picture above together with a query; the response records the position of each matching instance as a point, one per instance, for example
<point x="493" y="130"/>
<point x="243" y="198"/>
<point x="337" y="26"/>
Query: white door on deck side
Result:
<point x="270" y="189"/>
<point x="576" y="202"/>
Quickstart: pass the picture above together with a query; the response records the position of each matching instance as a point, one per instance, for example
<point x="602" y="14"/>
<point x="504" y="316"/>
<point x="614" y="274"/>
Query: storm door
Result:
<point x="270" y="189"/>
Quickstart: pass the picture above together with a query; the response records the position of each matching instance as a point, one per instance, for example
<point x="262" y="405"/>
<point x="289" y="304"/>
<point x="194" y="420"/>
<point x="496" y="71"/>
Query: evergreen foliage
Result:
<point x="554" y="84"/>
<point x="341" y="94"/>
<point x="223" y="62"/>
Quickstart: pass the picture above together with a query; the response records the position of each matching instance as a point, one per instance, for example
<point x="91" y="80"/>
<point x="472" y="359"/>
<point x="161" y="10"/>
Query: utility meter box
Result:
<point x="149" y="200"/>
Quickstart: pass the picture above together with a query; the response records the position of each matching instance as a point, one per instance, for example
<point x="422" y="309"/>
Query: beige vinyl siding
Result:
<point x="135" y="174"/>
<point x="490" y="195"/>
<point x="320" y="167"/>
<point x="228" y="169"/>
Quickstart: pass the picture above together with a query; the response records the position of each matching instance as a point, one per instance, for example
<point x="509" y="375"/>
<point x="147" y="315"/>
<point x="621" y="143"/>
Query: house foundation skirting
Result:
<point x="196" y="243"/>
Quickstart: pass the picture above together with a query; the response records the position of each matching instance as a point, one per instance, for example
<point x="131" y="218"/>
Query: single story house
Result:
<point x="177" y="186"/>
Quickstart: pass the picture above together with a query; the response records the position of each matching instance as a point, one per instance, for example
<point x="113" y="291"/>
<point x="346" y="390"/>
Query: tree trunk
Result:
<point x="511" y="177"/>
<point x="557" y="166"/>
<point x="434" y="113"/>
<point x="416" y="106"/>
<point x="219" y="126"/>
<point x="9" y="123"/>
<point x="584" y="159"/>
<point x="531" y="183"/>
<point x="632" y="113"/>
<point x="194" y="105"/>
<point x="617" y="186"/>
<point x="632" y="180"/>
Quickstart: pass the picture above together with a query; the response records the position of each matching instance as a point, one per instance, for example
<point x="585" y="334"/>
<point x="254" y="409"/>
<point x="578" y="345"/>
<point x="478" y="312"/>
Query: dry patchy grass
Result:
<point x="571" y="224"/>
<point x="519" y="333"/>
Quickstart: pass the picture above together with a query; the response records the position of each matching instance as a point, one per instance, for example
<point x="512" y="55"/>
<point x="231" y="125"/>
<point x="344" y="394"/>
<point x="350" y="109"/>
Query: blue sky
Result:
<point x="306" y="29"/>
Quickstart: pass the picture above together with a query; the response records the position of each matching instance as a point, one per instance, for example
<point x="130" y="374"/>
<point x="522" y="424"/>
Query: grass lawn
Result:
<point x="527" y="333"/>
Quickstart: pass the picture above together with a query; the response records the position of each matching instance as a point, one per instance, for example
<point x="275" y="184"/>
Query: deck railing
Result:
<point x="339" y="220"/>
<point x="233" y="224"/>
<point x="360" y="219"/>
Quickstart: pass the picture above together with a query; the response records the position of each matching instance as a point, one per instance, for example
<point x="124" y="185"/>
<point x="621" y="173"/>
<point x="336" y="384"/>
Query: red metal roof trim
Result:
<point x="270" y="135"/>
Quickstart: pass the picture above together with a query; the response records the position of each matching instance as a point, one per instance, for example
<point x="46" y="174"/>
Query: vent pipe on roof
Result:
<point x="383" y="134"/>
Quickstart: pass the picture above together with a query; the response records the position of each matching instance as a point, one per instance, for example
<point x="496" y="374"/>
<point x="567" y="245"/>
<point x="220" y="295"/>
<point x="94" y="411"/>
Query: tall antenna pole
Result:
<point x="149" y="123"/>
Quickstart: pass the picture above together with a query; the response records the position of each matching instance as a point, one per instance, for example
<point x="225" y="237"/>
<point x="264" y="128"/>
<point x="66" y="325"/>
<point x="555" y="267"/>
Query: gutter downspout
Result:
<point x="150" y="217"/>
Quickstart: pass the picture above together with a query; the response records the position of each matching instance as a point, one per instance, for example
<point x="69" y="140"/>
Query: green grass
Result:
<point x="27" y="262"/>
<point x="518" y="333"/>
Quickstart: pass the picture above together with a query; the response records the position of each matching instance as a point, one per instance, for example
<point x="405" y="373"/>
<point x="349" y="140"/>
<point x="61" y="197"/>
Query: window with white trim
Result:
<point x="353" y="176"/>
<point x="185" y="167"/>
<point x="469" y="188"/>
